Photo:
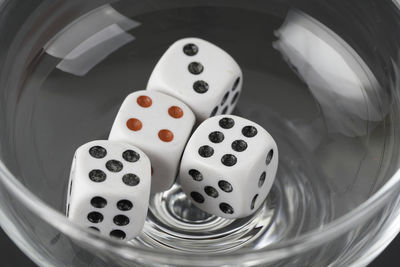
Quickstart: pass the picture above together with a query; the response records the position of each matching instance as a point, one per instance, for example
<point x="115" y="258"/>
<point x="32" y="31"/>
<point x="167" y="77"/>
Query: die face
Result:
<point x="229" y="143"/>
<point x="261" y="178"/>
<point x="200" y="74"/>
<point x="158" y="124"/>
<point x="110" y="188"/>
<point x="234" y="163"/>
<point x="115" y="215"/>
<point x="211" y="191"/>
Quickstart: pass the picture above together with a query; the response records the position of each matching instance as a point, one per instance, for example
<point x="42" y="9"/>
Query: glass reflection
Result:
<point x="88" y="40"/>
<point x="347" y="91"/>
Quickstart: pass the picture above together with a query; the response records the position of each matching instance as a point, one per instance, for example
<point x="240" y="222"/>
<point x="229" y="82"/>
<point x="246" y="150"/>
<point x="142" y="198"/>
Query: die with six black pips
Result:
<point x="109" y="188"/>
<point x="229" y="166"/>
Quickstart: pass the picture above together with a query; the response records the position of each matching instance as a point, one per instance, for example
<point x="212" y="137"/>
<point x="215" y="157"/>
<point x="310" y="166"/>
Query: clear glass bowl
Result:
<point x="320" y="76"/>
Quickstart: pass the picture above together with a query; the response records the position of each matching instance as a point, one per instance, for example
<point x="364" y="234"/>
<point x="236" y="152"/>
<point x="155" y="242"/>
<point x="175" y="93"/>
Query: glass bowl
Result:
<point x="320" y="76"/>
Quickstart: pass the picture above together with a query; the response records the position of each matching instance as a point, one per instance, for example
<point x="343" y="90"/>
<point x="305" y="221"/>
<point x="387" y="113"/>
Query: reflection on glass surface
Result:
<point x="88" y="40"/>
<point x="345" y="88"/>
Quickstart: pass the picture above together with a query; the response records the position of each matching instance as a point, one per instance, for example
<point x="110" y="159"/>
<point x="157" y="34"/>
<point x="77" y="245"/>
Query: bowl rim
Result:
<point x="273" y="252"/>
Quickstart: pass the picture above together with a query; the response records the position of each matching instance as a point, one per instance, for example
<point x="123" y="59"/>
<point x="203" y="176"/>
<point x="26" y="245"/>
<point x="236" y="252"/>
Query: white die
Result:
<point x="109" y="188"/>
<point x="158" y="124"/>
<point x="215" y="90"/>
<point x="229" y="166"/>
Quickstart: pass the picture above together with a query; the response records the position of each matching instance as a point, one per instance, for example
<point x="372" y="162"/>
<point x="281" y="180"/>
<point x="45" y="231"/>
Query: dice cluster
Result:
<point x="226" y="166"/>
